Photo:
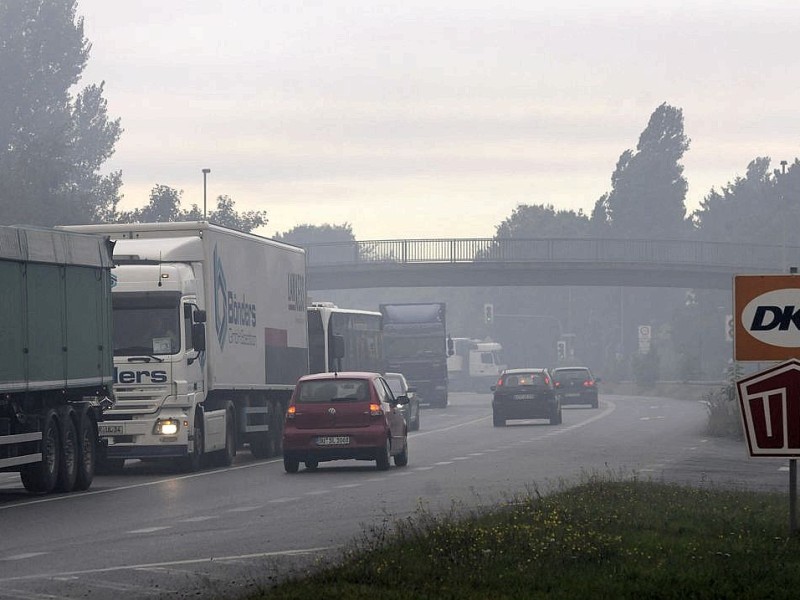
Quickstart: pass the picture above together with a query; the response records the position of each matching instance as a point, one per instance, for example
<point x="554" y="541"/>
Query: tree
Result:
<point x="165" y="206"/>
<point x="648" y="190"/>
<point x="542" y="221"/>
<point x="52" y="145"/>
<point x="761" y="207"/>
<point x="305" y="234"/>
<point x="227" y="216"/>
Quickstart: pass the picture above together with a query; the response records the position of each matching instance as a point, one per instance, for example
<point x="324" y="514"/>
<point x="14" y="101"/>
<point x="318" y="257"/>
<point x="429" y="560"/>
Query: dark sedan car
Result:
<point x="525" y="394"/>
<point x="399" y="386"/>
<point x="576" y="385"/>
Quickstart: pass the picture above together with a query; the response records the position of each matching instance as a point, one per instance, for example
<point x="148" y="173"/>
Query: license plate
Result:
<point x="572" y="395"/>
<point x="524" y="397"/>
<point x="109" y="429"/>
<point x="333" y="440"/>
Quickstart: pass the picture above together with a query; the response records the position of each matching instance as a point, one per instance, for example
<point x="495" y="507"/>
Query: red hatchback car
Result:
<point x="346" y="415"/>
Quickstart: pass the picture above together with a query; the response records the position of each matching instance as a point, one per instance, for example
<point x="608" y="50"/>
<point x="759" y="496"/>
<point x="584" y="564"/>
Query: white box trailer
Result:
<point x="210" y="336"/>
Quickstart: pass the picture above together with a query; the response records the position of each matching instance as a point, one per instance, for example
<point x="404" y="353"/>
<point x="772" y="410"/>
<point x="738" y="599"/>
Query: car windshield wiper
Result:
<point x="142" y="354"/>
<point x="145" y="358"/>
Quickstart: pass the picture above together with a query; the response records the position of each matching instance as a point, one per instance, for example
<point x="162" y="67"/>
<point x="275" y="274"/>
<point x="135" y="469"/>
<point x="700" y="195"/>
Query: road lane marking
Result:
<point x="198" y="519"/>
<point x="348" y="485"/>
<point x="423" y="468"/>
<point x="244" y="509"/>
<point x="191" y="561"/>
<point x="149" y="529"/>
<point x="24" y="556"/>
<point x="444" y="462"/>
<point x="317" y="493"/>
<point x="283" y="500"/>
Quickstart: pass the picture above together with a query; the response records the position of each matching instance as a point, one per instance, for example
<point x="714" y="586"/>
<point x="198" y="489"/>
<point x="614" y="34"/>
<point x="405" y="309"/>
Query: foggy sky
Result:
<point x="421" y="119"/>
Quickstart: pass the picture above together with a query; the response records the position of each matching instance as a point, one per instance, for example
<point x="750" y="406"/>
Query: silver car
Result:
<point x="399" y="386"/>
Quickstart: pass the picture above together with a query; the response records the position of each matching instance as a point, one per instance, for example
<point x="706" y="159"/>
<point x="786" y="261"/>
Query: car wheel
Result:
<point x="382" y="459"/>
<point x="415" y="421"/>
<point x="401" y="460"/>
<point x="556" y="418"/>
<point x="312" y="465"/>
<point x="291" y="465"/>
<point x="595" y="403"/>
<point x="497" y="420"/>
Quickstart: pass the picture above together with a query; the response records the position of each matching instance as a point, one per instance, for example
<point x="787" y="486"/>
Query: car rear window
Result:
<point x="518" y="379"/>
<point x="572" y="375"/>
<point x="328" y="390"/>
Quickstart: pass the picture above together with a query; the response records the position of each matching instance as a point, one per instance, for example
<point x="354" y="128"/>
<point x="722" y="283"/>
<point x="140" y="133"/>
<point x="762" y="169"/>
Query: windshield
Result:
<point x="146" y="323"/>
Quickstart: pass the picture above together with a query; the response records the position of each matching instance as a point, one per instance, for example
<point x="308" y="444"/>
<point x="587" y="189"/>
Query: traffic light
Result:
<point x="488" y="312"/>
<point x="561" y="346"/>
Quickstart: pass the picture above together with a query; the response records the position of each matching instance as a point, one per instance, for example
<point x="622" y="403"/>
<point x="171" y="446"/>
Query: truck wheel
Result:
<point x="87" y="453"/>
<point x="291" y="465"/>
<point x="41" y="477"/>
<point x="194" y="461"/>
<point x="226" y="455"/>
<point x="68" y="465"/>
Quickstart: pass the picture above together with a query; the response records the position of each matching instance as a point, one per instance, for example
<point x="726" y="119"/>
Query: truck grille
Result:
<point x="132" y="401"/>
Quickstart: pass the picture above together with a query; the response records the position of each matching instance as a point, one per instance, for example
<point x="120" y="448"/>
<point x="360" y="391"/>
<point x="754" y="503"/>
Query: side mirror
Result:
<point x="199" y="316"/>
<point x="598" y="380"/>
<point x="199" y="336"/>
<point x="402" y="400"/>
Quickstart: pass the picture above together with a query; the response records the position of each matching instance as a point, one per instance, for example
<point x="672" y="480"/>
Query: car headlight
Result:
<point x="167" y="427"/>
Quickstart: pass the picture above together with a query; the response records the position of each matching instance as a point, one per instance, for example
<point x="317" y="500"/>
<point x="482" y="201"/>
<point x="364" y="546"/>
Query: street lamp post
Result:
<point x="205" y="174"/>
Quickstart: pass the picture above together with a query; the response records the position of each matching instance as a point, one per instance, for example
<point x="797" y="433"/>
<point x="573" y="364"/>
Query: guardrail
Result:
<point x="758" y="257"/>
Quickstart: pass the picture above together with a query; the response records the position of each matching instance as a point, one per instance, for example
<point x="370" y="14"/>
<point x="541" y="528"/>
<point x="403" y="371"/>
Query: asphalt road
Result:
<point x="152" y="533"/>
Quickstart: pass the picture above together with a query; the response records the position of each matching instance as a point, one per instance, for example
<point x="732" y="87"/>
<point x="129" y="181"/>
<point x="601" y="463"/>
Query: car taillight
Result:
<point x="588" y="383"/>
<point x="500" y="382"/>
<point x="557" y="384"/>
<point x="546" y="380"/>
<point x="375" y="410"/>
<point x="291" y="411"/>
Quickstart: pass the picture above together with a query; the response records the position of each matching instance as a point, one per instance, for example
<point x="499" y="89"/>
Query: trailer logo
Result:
<point x="231" y="314"/>
<point x="220" y="300"/>
<point x="774" y="318"/>
<point x="297" y="292"/>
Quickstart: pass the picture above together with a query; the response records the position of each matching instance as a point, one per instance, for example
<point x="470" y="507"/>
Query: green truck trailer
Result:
<point x="56" y="355"/>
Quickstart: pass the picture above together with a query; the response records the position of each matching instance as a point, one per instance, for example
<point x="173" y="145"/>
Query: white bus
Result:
<point x="343" y="339"/>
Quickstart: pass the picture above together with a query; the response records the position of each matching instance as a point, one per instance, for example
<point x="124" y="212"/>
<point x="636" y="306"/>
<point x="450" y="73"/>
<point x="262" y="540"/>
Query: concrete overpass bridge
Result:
<point x="462" y="262"/>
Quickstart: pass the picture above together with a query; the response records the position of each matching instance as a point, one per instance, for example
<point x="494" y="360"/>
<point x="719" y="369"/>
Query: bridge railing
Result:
<point x="758" y="257"/>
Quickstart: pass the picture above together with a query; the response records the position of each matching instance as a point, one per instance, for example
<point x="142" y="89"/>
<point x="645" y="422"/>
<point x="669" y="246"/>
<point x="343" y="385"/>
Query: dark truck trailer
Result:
<point x="56" y="363"/>
<point x="415" y="344"/>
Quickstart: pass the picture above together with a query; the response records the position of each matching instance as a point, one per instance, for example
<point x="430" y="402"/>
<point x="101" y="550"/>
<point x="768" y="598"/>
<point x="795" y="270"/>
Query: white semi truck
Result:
<point x="475" y="365"/>
<point x="210" y="336"/>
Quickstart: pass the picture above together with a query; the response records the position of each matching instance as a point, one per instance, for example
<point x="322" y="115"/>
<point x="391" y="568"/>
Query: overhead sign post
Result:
<point x="766" y="313"/>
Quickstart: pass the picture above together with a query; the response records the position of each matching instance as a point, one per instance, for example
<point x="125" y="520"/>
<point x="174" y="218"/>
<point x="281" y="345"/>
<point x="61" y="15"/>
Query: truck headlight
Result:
<point x="166" y="427"/>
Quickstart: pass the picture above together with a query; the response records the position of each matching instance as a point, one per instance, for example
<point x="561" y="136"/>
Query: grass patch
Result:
<point x="601" y="539"/>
